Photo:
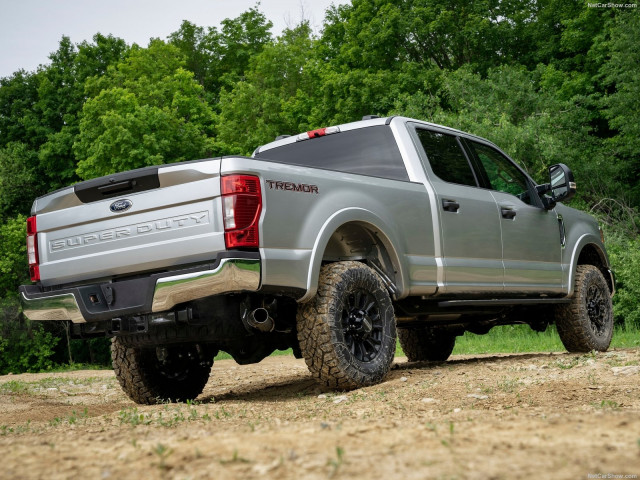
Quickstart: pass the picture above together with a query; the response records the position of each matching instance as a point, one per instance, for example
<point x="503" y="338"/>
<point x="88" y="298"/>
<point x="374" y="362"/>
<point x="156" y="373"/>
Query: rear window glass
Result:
<point x="365" y="151"/>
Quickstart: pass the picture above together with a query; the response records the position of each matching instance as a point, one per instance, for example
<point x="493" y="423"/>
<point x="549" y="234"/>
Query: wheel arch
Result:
<point x="588" y="251"/>
<point x="358" y="234"/>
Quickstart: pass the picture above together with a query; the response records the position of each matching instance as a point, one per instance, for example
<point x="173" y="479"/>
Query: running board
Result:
<point x="502" y="301"/>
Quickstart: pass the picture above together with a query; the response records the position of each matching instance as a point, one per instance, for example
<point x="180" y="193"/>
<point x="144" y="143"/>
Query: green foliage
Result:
<point x="18" y="96"/>
<point x="24" y="346"/>
<point x="264" y="105"/>
<point x="624" y="254"/>
<point x="220" y="58"/>
<point x="94" y="351"/>
<point x="622" y="105"/>
<point x="19" y="179"/>
<point x="146" y="111"/>
<point x="61" y="97"/>
<point x="13" y="256"/>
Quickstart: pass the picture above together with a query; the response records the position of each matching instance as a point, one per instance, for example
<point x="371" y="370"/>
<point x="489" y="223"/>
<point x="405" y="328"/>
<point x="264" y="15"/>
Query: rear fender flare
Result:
<point x="373" y="223"/>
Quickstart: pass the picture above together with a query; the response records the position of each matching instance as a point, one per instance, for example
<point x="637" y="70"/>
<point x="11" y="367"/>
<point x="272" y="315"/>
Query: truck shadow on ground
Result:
<point x="276" y="390"/>
<point x="482" y="359"/>
<point x="284" y="389"/>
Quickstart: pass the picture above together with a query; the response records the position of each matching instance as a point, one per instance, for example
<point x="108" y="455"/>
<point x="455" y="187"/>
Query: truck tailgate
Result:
<point x="85" y="233"/>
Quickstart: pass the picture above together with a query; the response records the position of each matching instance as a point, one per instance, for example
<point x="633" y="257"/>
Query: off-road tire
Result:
<point x="586" y="323"/>
<point x="146" y="381"/>
<point x="347" y="332"/>
<point x="425" y="344"/>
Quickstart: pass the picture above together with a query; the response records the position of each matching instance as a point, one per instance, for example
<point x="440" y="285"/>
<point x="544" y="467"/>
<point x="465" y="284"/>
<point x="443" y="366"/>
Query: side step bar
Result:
<point x="501" y="301"/>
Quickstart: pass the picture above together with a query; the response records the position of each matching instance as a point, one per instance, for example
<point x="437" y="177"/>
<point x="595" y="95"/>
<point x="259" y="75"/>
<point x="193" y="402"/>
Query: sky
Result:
<point x="31" y="29"/>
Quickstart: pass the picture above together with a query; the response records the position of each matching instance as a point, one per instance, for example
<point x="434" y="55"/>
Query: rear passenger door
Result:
<point x="469" y="221"/>
<point x="531" y="243"/>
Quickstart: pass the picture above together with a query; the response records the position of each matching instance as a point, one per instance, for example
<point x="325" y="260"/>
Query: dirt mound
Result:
<point x="487" y="416"/>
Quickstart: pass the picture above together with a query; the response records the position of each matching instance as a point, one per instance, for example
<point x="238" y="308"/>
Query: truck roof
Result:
<point x="362" y="124"/>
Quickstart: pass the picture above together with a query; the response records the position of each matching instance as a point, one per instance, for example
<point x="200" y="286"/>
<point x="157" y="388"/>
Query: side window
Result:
<point x="446" y="158"/>
<point x="502" y="175"/>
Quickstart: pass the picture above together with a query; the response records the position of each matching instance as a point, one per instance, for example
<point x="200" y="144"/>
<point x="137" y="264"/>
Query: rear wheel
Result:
<point x="425" y="344"/>
<point x="347" y="332"/>
<point x="150" y="375"/>
<point x="586" y="323"/>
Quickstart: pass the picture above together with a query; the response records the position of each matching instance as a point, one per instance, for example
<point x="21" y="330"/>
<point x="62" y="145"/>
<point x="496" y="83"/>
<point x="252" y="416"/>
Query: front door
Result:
<point x="531" y="241"/>
<point x="469" y="223"/>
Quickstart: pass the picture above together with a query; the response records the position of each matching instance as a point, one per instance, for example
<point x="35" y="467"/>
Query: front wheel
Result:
<point x="586" y="323"/>
<point x="150" y="375"/>
<point x="347" y="332"/>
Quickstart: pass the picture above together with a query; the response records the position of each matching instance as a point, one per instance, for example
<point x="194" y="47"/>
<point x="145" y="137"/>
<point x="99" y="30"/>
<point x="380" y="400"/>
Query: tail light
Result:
<point x="241" y="208"/>
<point x="32" y="249"/>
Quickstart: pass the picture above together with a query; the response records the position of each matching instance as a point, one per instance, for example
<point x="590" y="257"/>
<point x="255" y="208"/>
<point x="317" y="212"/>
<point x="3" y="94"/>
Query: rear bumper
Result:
<point x="230" y="272"/>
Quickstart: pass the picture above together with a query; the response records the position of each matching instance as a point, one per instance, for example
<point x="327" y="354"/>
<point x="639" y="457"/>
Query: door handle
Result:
<point x="450" y="206"/>
<point x="508" y="213"/>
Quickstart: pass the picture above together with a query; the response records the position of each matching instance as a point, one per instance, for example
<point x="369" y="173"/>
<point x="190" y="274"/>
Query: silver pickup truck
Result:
<point x="333" y="243"/>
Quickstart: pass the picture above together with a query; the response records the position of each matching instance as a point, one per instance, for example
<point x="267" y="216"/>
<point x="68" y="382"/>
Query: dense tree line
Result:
<point x="548" y="80"/>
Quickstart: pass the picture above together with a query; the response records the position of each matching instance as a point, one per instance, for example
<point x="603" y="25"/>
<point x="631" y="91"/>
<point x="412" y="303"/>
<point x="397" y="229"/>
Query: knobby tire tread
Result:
<point x="572" y="319"/>
<point x="327" y="359"/>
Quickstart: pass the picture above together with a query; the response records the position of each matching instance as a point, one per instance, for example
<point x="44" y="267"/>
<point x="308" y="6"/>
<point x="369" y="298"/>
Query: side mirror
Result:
<point x="562" y="186"/>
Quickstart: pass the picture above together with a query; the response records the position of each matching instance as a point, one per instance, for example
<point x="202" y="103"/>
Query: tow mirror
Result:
<point x="562" y="185"/>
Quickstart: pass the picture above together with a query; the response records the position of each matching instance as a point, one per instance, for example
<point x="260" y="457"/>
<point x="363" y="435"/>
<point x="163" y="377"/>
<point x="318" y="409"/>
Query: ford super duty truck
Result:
<point x="332" y="243"/>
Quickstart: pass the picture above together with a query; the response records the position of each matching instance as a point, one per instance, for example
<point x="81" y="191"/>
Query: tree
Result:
<point x="19" y="180"/>
<point x="148" y="110"/>
<point x="220" y="58"/>
<point x="265" y="104"/>
<point x="621" y="104"/>
<point x="61" y="97"/>
<point x="18" y="119"/>
<point x="13" y="255"/>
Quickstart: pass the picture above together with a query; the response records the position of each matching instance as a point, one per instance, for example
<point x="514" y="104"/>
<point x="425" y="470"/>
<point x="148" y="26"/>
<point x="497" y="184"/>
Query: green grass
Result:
<point x="225" y="355"/>
<point x="77" y="366"/>
<point x="520" y="338"/>
<point x="509" y="339"/>
<point x="19" y="386"/>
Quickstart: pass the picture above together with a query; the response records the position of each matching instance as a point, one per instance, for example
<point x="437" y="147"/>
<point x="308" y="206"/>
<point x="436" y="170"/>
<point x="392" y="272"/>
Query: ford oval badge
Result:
<point x="120" y="206"/>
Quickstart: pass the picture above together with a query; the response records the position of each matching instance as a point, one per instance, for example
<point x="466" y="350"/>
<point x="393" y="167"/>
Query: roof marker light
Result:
<point x="320" y="132"/>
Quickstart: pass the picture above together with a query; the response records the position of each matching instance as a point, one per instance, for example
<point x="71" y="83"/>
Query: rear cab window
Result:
<point x="365" y="151"/>
<point x="446" y="157"/>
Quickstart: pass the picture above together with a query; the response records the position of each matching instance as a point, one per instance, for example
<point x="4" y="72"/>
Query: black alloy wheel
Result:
<point x="362" y="326"/>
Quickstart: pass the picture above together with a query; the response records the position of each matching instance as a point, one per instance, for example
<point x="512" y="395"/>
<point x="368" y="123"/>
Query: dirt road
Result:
<point x="486" y="417"/>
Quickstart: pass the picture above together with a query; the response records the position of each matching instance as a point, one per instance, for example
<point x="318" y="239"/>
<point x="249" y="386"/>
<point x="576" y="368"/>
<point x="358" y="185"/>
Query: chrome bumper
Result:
<point x="230" y="275"/>
<point x="55" y="307"/>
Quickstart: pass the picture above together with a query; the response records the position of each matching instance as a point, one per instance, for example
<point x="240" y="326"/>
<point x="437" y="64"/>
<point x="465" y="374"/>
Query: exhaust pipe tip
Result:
<point x="260" y="320"/>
